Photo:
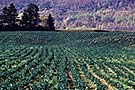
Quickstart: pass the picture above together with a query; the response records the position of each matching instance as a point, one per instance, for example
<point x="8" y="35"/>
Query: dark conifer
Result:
<point x="50" y="22"/>
<point x="30" y="16"/>
<point x="1" y="21"/>
<point x="8" y="16"/>
<point x="12" y="15"/>
<point x="4" y="17"/>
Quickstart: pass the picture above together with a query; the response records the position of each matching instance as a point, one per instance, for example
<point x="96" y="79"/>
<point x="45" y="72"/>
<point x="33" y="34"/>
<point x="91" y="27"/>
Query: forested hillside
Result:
<point x="101" y="14"/>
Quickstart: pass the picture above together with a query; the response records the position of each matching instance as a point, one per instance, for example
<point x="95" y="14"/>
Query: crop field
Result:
<point x="67" y="61"/>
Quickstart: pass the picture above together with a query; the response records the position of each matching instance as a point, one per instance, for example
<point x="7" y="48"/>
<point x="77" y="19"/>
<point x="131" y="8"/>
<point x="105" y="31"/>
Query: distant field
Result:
<point x="67" y="61"/>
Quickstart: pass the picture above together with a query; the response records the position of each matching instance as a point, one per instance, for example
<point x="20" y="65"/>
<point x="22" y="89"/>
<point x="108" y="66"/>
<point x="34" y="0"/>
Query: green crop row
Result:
<point x="66" y="60"/>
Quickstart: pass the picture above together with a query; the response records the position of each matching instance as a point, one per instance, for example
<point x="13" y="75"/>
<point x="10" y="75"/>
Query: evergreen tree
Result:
<point x="4" y="17"/>
<point x="12" y="15"/>
<point x="1" y="24"/>
<point x="50" y="23"/>
<point x="30" y="16"/>
<point x="8" y="16"/>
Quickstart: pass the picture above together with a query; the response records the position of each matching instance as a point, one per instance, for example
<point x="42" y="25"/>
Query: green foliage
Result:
<point x="4" y="16"/>
<point x="50" y="23"/>
<point x="30" y="16"/>
<point x="57" y="60"/>
<point x="12" y="15"/>
<point x="29" y="19"/>
<point x="8" y="16"/>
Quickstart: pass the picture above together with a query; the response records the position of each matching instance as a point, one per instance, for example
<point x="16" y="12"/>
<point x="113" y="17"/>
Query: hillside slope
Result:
<point x="67" y="61"/>
<point x="69" y="39"/>
<point x="100" y="14"/>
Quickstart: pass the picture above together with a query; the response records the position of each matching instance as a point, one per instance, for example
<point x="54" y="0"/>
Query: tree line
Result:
<point x="29" y="20"/>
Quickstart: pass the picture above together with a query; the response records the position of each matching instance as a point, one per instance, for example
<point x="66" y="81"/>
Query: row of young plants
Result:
<point x="17" y="71"/>
<point x="117" y="81"/>
<point x="12" y="63"/>
<point x="41" y="62"/>
<point x="71" y="39"/>
<point x="81" y="60"/>
<point x="52" y="67"/>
